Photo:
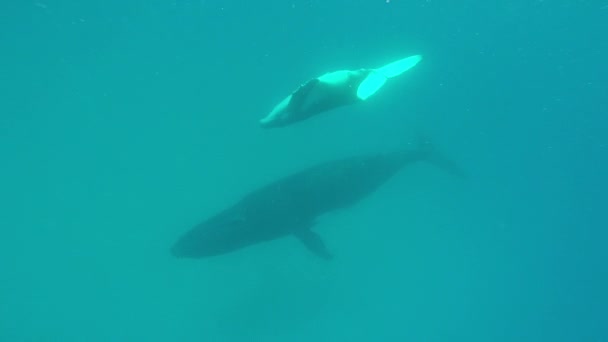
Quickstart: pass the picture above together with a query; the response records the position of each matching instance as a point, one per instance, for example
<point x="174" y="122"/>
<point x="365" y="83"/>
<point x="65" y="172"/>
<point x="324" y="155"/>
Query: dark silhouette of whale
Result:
<point x="290" y="206"/>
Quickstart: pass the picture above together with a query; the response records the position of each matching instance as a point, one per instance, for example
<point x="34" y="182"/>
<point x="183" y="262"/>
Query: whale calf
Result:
<point x="332" y="90"/>
<point x="291" y="205"/>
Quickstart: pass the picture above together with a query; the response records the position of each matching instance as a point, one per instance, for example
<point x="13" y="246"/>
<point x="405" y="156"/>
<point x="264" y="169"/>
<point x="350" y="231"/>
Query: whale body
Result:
<point x="291" y="205"/>
<point x="332" y="90"/>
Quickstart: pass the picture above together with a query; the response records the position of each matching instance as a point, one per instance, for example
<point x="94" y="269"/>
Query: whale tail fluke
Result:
<point x="378" y="77"/>
<point x="432" y="155"/>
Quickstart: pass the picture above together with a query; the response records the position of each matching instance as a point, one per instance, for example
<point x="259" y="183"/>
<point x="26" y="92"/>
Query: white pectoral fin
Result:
<point x="313" y="243"/>
<point x="378" y="77"/>
<point x="370" y="85"/>
<point x="398" y="67"/>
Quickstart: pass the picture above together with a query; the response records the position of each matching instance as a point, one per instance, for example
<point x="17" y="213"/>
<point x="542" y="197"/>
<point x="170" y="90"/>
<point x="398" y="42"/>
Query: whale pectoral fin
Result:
<point x="378" y="77"/>
<point x="370" y="85"/>
<point x="397" y="68"/>
<point x="313" y="243"/>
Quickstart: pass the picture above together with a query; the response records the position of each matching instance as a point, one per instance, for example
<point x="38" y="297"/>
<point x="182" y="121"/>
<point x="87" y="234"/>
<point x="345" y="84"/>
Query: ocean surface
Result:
<point x="125" y="123"/>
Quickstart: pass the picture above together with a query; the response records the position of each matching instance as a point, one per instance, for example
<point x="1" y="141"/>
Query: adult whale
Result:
<point x="290" y="206"/>
<point x="332" y="90"/>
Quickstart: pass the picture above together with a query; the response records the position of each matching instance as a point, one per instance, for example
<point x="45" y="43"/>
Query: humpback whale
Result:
<point x="332" y="90"/>
<point x="292" y="205"/>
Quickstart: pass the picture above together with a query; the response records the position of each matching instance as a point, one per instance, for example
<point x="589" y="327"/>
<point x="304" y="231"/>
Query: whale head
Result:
<point x="279" y="115"/>
<point x="218" y="235"/>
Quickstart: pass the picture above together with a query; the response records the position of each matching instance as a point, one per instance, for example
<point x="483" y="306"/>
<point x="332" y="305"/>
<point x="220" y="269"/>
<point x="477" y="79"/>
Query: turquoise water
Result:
<point x="122" y="124"/>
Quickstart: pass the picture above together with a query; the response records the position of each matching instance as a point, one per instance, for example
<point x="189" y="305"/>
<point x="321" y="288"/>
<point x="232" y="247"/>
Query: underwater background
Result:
<point x="124" y="123"/>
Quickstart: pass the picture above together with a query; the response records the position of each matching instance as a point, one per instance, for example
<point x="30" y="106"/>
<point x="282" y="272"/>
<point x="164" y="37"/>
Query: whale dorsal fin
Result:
<point x="313" y="243"/>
